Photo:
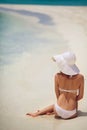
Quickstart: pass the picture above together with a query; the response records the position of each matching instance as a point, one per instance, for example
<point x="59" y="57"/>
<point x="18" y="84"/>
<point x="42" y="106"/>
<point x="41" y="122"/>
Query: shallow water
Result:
<point x="19" y="35"/>
<point x="15" y="37"/>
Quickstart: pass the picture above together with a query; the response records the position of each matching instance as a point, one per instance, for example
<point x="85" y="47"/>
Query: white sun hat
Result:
<point x="66" y="63"/>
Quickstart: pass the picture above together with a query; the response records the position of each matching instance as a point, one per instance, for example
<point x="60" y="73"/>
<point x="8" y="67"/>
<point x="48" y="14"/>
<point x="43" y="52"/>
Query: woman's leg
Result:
<point x="47" y="110"/>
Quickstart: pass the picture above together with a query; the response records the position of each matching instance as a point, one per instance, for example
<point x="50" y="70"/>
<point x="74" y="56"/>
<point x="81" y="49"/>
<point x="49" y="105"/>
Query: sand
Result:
<point x="28" y="83"/>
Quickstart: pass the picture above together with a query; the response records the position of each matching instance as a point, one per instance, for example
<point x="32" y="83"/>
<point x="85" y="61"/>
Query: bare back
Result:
<point x="68" y="99"/>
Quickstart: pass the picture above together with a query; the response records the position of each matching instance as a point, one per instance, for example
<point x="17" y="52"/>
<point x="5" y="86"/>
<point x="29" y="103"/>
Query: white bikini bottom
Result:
<point x="64" y="113"/>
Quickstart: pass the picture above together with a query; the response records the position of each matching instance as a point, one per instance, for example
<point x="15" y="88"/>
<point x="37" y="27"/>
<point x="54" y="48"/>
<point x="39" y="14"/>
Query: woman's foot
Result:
<point x="33" y="114"/>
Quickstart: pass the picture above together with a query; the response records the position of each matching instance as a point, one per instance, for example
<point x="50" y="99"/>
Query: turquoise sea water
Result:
<point x="19" y="35"/>
<point x="16" y="36"/>
<point x="47" y="2"/>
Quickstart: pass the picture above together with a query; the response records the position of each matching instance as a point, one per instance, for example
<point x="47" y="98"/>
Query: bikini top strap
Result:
<point x="71" y="91"/>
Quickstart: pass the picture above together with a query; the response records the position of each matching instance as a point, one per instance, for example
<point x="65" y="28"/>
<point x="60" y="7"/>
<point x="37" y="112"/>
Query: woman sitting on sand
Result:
<point x="69" y="88"/>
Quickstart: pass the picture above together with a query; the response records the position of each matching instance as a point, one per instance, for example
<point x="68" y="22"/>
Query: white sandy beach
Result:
<point x="27" y="84"/>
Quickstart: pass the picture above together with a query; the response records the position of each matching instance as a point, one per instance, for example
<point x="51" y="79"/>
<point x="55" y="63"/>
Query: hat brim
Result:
<point x="70" y="70"/>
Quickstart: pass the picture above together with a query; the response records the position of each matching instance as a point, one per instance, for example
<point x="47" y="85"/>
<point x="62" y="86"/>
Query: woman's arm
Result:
<point x="57" y="86"/>
<point x="81" y="90"/>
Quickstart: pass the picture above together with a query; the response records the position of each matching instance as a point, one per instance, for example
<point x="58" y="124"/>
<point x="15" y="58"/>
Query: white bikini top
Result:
<point x="69" y="91"/>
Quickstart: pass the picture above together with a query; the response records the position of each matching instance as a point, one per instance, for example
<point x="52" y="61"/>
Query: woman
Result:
<point x="69" y="88"/>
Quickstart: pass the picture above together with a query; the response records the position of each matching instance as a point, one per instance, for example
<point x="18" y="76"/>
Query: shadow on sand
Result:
<point x="81" y="113"/>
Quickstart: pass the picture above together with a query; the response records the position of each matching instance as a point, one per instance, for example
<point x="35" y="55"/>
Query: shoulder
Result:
<point x="80" y="76"/>
<point x="58" y="76"/>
